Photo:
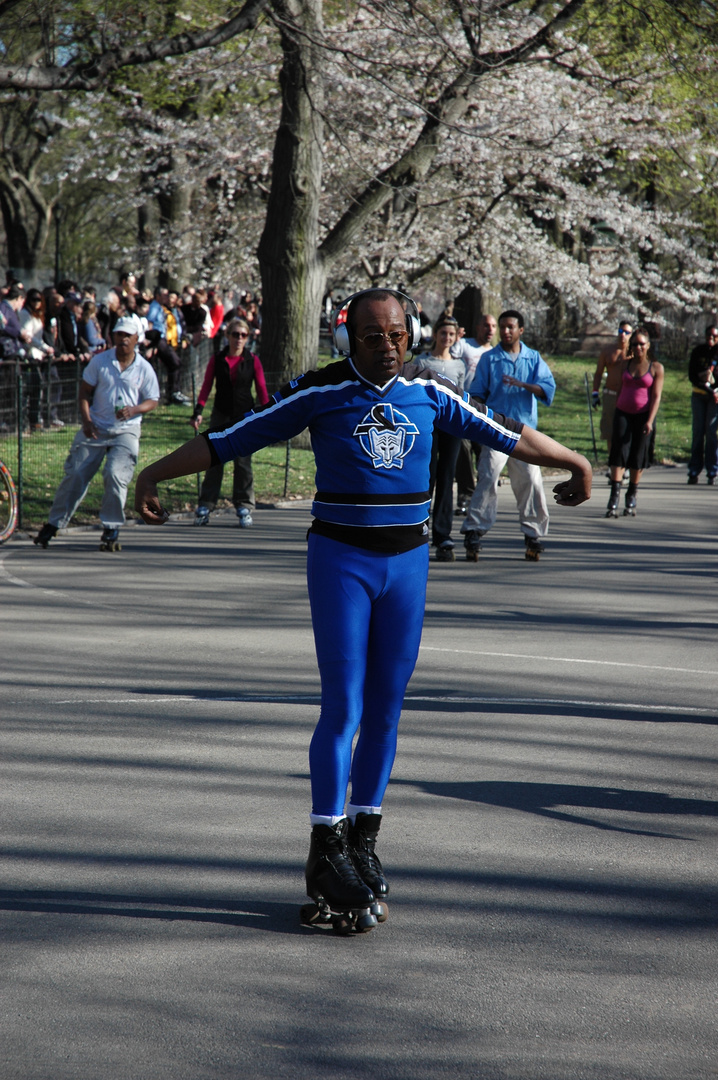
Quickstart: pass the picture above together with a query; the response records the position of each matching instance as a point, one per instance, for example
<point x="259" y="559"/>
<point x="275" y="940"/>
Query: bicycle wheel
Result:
<point x="8" y="504"/>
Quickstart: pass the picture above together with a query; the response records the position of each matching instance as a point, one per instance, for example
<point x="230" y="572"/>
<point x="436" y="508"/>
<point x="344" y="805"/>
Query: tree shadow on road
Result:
<point x="545" y="800"/>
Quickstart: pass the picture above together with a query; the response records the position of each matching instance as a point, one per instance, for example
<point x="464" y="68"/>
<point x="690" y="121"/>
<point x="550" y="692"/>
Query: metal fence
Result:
<point x="39" y="414"/>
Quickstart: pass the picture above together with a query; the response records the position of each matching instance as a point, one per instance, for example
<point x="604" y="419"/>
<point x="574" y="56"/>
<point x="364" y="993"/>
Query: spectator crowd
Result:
<point x="44" y="328"/>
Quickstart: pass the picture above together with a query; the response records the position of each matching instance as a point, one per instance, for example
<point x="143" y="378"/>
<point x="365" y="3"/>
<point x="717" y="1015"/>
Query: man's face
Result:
<point x="379" y="361"/>
<point x="485" y="329"/>
<point x="125" y="344"/>
<point x="173" y="299"/>
<point x="624" y="332"/>
<point x="163" y="297"/>
<point x="712" y="339"/>
<point x="510" y="333"/>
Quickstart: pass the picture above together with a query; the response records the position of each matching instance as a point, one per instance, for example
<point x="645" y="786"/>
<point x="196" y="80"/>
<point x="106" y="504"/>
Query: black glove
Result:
<point x="595" y="399"/>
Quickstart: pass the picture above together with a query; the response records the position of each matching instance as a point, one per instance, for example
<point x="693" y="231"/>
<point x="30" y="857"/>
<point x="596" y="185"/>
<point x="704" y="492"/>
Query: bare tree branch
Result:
<point x="89" y="76"/>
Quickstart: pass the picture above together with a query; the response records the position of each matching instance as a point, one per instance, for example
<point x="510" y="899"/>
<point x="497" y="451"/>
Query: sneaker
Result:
<point x="57" y="423"/>
<point x="245" y="518"/>
<point x="445" y="551"/>
<point x="201" y="515"/>
<point x="178" y="399"/>
<point x="692" y="479"/>
<point x="711" y="480"/>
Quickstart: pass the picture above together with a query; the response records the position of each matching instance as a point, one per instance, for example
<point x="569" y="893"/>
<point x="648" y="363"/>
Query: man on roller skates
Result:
<point x="510" y="379"/>
<point x="117" y="389"/>
<point x="371" y="419"/>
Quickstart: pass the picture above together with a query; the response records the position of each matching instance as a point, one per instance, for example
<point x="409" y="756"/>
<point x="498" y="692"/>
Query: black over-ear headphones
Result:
<point x="342" y="332"/>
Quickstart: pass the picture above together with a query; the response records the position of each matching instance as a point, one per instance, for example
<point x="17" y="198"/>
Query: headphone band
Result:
<point x="342" y="334"/>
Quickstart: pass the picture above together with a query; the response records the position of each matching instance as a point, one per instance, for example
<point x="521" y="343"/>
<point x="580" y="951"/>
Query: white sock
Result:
<point x="353" y="810"/>
<point x="324" y="819"/>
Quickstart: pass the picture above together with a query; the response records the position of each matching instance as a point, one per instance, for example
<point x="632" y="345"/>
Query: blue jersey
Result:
<point x="372" y="444"/>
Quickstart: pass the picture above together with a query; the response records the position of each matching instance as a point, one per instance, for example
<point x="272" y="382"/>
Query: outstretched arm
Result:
<point x="538" y="449"/>
<point x="192" y="457"/>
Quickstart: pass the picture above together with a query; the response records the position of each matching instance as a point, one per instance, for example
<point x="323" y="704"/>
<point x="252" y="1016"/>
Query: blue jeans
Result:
<point x="119" y="453"/>
<point x="704" y="445"/>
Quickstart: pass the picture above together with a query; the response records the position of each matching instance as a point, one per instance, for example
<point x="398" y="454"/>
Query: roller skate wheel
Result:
<point x="472" y="554"/>
<point x="366" y="922"/>
<point x="313" y="915"/>
<point x="342" y="924"/>
<point x="380" y="911"/>
<point x="532" y="556"/>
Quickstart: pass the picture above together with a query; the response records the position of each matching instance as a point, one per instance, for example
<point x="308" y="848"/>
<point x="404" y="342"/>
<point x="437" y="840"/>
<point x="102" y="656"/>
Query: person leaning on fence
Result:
<point x="118" y="388"/>
<point x="234" y="369"/>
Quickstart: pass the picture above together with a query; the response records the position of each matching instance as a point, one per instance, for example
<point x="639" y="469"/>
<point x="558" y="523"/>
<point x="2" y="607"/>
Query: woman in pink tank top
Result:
<point x="634" y="420"/>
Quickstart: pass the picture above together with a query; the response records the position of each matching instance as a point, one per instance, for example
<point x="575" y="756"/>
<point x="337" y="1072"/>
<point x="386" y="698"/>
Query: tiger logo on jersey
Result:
<point x="387" y="436"/>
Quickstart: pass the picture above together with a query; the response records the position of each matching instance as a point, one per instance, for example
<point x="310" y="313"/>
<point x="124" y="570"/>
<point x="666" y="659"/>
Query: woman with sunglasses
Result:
<point x="634" y="421"/>
<point x="234" y="370"/>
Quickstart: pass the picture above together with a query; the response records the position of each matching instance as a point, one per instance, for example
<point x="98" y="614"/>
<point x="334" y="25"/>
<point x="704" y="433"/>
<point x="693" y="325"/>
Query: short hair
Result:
<point x="625" y="322"/>
<point x="513" y="314"/>
<point x="14" y="292"/>
<point x="710" y="329"/>
<point x="236" y="322"/>
<point x="369" y="294"/>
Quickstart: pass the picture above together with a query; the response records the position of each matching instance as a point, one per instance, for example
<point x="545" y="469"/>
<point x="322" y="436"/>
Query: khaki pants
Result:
<point x="526" y="484"/>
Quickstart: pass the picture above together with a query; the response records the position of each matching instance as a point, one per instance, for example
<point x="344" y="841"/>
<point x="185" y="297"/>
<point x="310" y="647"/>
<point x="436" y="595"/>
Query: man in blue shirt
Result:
<point x="510" y="379"/>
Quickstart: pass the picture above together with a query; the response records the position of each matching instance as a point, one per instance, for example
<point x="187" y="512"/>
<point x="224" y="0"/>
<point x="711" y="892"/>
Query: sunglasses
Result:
<point x="375" y="341"/>
<point x="239" y="333"/>
<point x="622" y="331"/>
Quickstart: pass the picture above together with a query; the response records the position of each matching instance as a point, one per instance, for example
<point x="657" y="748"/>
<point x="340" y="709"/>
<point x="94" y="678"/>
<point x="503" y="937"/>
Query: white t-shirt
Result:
<point x="469" y="350"/>
<point x="115" y="388"/>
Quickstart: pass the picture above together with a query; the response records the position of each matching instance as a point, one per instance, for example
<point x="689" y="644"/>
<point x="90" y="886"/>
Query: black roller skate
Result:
<point x="109" y="540"/>
<point x="630" y="508"/>
<point x="472" y="545"/>
<point x="613" y="499"/>
<point x="341" y="899"/>
<point x="361" y="841"/>
<point x="534" y="548"/>
<point x="47" y="533"/>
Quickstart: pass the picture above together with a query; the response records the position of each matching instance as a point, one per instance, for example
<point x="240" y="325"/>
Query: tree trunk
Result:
<point x="176" y="225"/>
<point x="293" y="272"/>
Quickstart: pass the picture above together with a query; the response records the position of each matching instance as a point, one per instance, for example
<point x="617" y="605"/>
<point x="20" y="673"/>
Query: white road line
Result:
<point x="567" y="660"/>
<point x="450" y="699"/>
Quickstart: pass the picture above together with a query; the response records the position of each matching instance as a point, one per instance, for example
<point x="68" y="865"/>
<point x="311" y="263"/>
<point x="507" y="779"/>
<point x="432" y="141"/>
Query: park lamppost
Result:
<point x="58" y="214"/>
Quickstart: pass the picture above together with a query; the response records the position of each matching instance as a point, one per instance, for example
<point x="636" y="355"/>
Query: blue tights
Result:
<point x="367" y="614"/>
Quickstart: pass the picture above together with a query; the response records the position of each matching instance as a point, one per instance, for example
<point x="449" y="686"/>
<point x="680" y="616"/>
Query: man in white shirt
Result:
<point x="117" y="389"/>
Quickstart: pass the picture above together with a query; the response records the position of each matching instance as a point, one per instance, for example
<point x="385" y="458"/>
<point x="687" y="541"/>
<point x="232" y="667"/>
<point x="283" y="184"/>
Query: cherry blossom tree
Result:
<point x="405" y="143"/>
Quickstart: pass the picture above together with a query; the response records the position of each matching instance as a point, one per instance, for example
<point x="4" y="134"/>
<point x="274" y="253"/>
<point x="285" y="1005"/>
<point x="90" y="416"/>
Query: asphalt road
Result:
<point x="549" y="833"/>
